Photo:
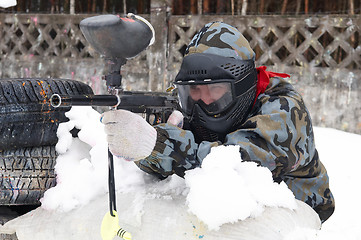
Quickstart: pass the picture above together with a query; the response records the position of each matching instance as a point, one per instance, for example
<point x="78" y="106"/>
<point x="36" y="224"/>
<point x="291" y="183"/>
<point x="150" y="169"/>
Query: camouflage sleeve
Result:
<point x="279" y="136"/>
<point x="175" y="152"/>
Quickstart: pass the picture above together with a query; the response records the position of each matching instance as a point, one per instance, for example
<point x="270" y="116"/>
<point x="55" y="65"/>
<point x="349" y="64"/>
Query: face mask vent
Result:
<point x="197" y="72"/>
<point x="236" y="70"/>
<point x="244" y="107"/>
<point x="204" y="134"/>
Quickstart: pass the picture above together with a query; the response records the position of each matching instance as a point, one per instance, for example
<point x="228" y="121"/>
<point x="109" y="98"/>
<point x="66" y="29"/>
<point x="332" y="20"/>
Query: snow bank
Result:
<point x="82" y="166"/>
<point x="224" y="190"/>
<point x="340" y="153"/>
<point x="225" y="199"/>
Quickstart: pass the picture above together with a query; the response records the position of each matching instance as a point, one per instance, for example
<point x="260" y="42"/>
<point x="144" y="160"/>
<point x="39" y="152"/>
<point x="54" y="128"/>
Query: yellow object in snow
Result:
<point x="110" y="228"/>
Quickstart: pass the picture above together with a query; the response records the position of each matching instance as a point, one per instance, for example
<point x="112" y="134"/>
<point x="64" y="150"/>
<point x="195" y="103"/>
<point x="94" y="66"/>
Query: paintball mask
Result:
<point x="218" y="63"/>
<point x="216" y="93"/>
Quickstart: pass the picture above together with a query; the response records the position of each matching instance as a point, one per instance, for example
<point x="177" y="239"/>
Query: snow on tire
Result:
<point x="26" y="116"/>
<point x="26" y="173"/>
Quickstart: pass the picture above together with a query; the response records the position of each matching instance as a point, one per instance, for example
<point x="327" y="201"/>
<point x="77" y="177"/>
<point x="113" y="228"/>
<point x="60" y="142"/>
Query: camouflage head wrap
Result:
<point x="220" y="39"/>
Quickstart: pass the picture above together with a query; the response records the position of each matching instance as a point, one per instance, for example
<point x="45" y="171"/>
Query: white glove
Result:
<point x="176" y="119"/>
<point x="129" y="135"/>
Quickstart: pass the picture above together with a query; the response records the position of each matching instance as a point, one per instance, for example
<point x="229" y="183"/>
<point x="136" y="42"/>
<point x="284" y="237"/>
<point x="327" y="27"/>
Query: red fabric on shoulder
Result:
<point x="263" y="78"/>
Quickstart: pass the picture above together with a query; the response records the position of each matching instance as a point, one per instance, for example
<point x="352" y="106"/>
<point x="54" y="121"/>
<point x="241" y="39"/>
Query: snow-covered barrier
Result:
<point x="161" y="218"/>
<point x="224" y="199"/>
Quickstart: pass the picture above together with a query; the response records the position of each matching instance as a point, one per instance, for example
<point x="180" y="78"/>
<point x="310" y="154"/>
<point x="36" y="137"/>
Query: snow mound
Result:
<point x="82" y="164"/>
<point x="234" y="190"/>
<point x="226" y="189"/>
<point x="224" y="199"/>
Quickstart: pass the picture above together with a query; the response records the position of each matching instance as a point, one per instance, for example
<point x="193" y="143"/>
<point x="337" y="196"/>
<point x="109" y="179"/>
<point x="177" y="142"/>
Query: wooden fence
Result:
<point x="293" y="41"/>
<point x="323" y="54"/>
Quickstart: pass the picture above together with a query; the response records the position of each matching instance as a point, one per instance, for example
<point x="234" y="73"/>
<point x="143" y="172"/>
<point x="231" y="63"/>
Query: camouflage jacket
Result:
<point x="278" y="135"/>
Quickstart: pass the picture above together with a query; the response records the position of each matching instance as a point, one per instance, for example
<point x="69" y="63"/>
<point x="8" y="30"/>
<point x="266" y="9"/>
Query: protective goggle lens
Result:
<point x="213" y="98"/>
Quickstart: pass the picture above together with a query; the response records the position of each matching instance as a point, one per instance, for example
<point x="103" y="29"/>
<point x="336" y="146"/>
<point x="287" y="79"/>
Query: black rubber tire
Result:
<point x="25" y="175"/>
<point x="26" y="116"/>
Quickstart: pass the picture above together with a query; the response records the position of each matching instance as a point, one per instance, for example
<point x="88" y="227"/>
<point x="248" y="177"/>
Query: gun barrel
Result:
<point x="138" y="102"/>
<point x="57" y="100"/>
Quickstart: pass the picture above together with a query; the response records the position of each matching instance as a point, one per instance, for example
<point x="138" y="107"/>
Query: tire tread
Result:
<point x="26" y="173"/>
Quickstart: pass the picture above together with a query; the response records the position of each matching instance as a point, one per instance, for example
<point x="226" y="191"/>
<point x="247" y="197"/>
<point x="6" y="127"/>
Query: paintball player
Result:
<point x="226" y="100"/>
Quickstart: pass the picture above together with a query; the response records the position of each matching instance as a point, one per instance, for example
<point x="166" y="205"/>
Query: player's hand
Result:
<point x="129" y="135"/>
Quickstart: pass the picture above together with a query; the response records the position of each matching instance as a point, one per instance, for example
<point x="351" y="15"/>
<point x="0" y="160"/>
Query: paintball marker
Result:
<point x="118" y="39"/>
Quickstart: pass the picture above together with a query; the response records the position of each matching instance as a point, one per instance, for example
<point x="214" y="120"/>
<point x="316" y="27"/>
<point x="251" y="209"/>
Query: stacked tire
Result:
<point x="28" y="125"/>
